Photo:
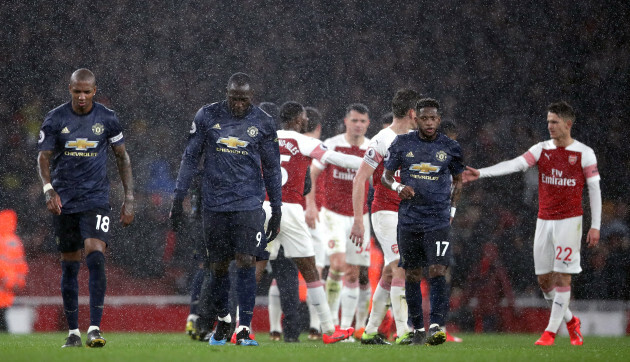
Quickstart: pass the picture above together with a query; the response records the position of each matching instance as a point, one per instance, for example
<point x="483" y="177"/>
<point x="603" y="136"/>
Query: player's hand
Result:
<point x="273" y="226"/>
<point x="406" y="193"/>
<point x="177" y="214"/>
<point x="53" y="202"/>
<point x="592" y="238"/>
<point x="312" y="217"/>
<point x="126" y="212"/>
<point x="470" y="174"/>
<point x="356" y="233"/>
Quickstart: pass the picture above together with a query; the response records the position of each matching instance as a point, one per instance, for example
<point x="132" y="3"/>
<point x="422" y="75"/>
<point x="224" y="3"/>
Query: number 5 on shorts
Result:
<point x="443" y="251"/>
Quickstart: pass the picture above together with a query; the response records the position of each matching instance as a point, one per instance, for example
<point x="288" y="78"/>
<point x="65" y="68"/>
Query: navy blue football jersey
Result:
<point x="235" y="150"/>
<point x="79" y="164"/>
<point x="428" y="167"/>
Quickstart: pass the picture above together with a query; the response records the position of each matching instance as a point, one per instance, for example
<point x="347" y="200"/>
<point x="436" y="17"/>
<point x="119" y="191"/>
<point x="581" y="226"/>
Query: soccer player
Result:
<point x="237" y="140"/>
<point x="337" y="214"/>
<point x="283" y="291"/>
<point x="427" y="160"/>
<point x="75" y="136"/>
<point x="314" y="129"/>
<point x="564" y="166"/>
<point x="296" y="154"/>
<point x="384" y="220"/>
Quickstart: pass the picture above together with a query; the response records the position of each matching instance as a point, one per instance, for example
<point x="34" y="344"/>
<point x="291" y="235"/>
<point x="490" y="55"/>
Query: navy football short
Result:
<point x="421" y="249"/>
<point x="228" y="233"/>
<point x="71" y="230"/>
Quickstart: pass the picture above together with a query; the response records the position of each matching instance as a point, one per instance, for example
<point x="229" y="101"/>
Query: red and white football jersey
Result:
<point x="384" y="198"/>
<point x="338" y="180"/>
<point x="562" y="173"/>
<point x="296" y="154"/>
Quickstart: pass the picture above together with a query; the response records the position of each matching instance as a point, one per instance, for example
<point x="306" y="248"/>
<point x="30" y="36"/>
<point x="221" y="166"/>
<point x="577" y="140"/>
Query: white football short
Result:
<point x="338" y="228"/>
<point x="294" y="235"/>
<point x="319" y="236"/>
<point x="385" y="223"/>
<point x="557" y="245"/>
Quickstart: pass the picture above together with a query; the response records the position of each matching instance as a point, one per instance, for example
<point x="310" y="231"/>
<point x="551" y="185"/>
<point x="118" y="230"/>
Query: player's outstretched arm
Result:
<point x="53" y="201"/>
<point x="404" y="192"/>
<point x="358" y="200"/>
<point x="470" y="174"/>
<point x="124" y="170"/>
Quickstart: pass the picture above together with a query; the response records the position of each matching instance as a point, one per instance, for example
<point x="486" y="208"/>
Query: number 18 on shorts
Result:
<point x="72" y="229"/>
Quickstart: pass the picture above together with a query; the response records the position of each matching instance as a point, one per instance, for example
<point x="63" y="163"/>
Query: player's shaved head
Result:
<point x="240" y="81"/>
<point x="83" y="75"/>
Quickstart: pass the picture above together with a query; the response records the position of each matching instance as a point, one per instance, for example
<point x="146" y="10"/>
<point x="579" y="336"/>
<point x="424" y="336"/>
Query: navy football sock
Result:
<point x="70" y="292"/>
<point x="219" y="291"/>
<point x="195" y="290"/>
<point x="413" y="295"/>
<point x="438" y="300"/>
<point x="98" y="283"/>
<point x="246" y="295"/>
<point x="286" y="274"/>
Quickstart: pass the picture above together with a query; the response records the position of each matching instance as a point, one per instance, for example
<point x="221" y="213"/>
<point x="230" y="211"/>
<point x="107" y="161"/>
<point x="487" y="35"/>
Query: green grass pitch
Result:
<point x="178" y="347"/>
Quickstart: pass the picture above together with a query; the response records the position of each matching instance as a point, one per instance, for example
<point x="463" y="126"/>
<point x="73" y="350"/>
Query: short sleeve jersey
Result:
<point x="428" y="167"/>
<point x="79" y="164"/>
<point x="384" y="198"/>
<point x="562" y="173"/>
<point x="338" y="180"/>
<point x="296" y="154"/>
<point x="235" y="150"/>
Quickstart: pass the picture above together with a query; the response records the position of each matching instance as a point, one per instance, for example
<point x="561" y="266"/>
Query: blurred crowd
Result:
<point x="494" y="65"/>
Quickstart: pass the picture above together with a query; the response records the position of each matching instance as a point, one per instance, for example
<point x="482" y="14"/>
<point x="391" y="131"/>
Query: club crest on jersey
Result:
<point x="424" y="168"/>
<point x="573" y="160"/>
<point x="232" y="142"/>
<point x="98" y="129"/>
<point x="441" y="156"/>
<point x="252" y="131"/>
<point x="395" y="248"/>
<point x="81" y="144"/>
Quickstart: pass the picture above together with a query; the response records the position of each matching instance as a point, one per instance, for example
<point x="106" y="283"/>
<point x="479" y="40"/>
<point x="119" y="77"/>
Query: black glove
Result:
<point x="177" y="214"/>
<point x="273" y="226"/>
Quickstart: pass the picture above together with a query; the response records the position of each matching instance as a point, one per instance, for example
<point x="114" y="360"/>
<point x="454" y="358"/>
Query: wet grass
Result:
<point x="178" y="347"/>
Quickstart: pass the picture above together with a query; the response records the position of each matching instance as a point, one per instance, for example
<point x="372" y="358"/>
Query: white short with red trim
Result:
<point x="557" y="245"/>
<point x="294" y="235"/>
<point x="318" y="235"/>
<point x="385" y="223"/>
<point x="338" y="229"/>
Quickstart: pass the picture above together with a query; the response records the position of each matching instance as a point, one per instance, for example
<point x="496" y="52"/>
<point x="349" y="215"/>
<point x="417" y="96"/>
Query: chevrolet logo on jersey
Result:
<point x="232" y="142"/>
<point x="81" y="144"/>
<point x="424" y="168"/>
